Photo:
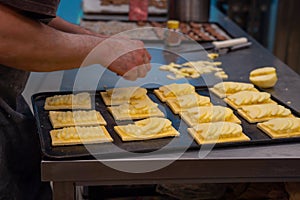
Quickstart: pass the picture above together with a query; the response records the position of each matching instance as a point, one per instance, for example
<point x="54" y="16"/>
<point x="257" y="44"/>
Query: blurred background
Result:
<point x="274" y="23"/>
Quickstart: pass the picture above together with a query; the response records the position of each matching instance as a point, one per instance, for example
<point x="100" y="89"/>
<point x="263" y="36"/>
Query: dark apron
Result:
<point x="19" y="143"/>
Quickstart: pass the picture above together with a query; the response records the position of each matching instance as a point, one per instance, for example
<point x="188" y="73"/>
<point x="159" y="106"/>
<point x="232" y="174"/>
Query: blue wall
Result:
<point x="70" y="10"/>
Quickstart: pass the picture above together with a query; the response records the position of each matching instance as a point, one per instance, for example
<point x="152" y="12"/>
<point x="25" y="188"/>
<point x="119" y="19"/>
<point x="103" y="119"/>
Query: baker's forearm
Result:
<point x="60" y="24"/>
<point x="30" y="45"/>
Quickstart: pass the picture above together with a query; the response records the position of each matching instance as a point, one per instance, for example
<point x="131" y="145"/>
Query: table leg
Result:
<point x="63" y="191"/>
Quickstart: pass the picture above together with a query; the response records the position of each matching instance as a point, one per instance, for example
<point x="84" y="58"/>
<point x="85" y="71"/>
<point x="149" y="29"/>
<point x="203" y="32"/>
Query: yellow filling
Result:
<point x="71" y="99"/>
<point x="175" y="89"/>
<point x="266" y="110"/>
<point x="210" y="114"/>
<point x="249" y="97"/>
<point x="79" y="133"/>
<point x="127" y="93"/>
<point x="233" y="87"/>
<point x="192" y="100"/>
<point x="218" y="130"/>
<point x="148" y="126"/>
<point x="284" y="125"/>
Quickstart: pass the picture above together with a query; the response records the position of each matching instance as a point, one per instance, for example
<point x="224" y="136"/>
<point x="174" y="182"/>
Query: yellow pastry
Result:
<point x="173" y="91"/>
<point x="80" y="135"/>
<point x="136" y="110"/>
<point x="119" y="96"/>
<point x="265" y="77"/>
<point x="264" y="112"/>
<point x="218" y="132"/>
<point x="243" y="98"/>
<point x="76" y="118"/>
<point x="185" y="102"/>
<point x="224" y="89"/>
<point x="68" y="101"/>
<point x="197" y="115"/>
<point x="281" y="127"/>
<point x="151" y="128"/>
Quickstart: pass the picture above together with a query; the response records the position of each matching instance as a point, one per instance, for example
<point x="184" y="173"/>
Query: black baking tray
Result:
<point x="119" y="148"/>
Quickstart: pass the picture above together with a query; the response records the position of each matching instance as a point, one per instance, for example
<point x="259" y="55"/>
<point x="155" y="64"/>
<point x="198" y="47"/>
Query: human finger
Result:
<point x="142" y="71"/>
<point x="148" y="67"/>
<point x="131" y="75"/>
<point x="148" y="55"/>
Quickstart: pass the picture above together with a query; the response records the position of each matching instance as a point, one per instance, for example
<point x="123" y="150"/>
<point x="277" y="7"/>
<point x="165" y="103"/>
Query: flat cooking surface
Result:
<point x="119" y="148"/>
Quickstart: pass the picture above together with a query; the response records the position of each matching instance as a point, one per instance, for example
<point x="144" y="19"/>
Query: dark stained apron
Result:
<point x="19" y="144"/>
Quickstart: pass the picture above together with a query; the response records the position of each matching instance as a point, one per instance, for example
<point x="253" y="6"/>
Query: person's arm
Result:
<point x="29" y="45"/>
<point x="60" y="24"/>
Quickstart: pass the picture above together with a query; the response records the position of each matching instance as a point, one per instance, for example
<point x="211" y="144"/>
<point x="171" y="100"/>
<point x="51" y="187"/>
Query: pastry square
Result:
<point x="281" y="127"/>
<point x="151" y="128"/>
<point x="218" y="132"/>
<point x="185" y="102"/>
<point x="174" y="90"/>
<point x="264" y="112"/>
<point x="79" y="135"/>
<point x="118" y="96"/>
<point x="245" y="98"/>
<point x="60" y="119"/>
<point x="208" y="114"/>
<point x="135" y="110"/>
<point x="224" y="89"/>
<point x="69" y="101"/>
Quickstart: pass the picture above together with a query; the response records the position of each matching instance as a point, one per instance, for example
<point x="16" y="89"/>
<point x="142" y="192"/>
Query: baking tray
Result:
<point x="119" y="148"/>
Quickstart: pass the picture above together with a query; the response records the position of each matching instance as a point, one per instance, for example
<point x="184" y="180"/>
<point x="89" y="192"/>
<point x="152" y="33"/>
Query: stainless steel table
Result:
<point x="269" y="163"/>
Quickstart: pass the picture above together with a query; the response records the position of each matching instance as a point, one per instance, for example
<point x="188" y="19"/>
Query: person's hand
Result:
<point x="126" y="57"/>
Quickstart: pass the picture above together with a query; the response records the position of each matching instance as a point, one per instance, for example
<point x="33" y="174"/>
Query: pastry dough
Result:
<point x="198" y="115"/>
<point x="244" y="98"/>
<point x="119" y="96"/>
<point x="136" y="110"/>
<point x="185" y="102"/>
<point x="151" y="128"/>
<point x="76" y="118"/>
<point x="174" y="90"/>
<point x="264" y="112"/>
<point x="80" y="135"/>
<point x="281" y="127"/>
<point x="224" y="89"/>
<point x="68" y="101"/>
<point x="218" y="132"/>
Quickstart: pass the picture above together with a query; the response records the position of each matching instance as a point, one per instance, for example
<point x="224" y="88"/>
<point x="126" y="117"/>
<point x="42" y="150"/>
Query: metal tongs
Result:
<point x="222" y="47"/>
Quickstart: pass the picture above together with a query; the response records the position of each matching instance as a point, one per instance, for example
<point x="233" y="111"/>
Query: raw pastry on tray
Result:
<point x="117" y="96"/>
<point x="173" y="91"/>
<point x="136" y="110"/>
<point x="68" y="101"/>
<point x="79" y="135"/>
<point x="61" y="119"/>
<point x="245" y="98"/>
<point x="264" y="112"/>
<point x="281" y="127"/>
<point x="224" y="89"/>
<point x="205" y="114"/>
<point x="218" y="132"/>
<point x="151" y="128"/>
<point x="185" y="102"/>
